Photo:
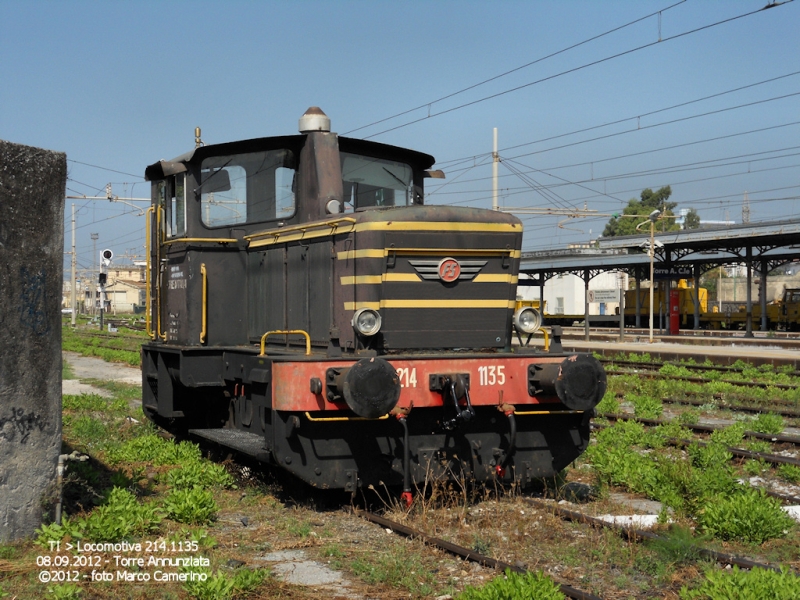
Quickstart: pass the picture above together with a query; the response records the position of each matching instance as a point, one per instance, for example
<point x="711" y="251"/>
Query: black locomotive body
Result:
<point x="307" y="309"/>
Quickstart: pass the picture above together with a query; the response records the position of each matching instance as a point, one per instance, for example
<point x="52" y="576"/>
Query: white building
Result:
<point x="564" y="294"/>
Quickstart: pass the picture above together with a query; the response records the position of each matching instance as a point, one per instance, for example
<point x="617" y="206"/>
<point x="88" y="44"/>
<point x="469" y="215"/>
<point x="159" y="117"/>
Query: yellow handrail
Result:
<point x="148" y="282"/>
<point x="332" y="223"/>
<point x="197" y="240"/>
<point x="323" y="419"/>
<point x="203" y="331"/>
<point x="286" y="332"/>
<point x="546" y="340"/>
<point x="160" y="234"/>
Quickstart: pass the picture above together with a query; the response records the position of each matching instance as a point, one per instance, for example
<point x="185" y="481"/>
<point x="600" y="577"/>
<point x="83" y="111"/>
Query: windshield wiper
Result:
<point x="210" y="177"/>
<point x="400" y="181"/>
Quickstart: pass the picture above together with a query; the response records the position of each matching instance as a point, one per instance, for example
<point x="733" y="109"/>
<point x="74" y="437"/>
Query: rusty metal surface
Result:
<point x="493" y="381"/>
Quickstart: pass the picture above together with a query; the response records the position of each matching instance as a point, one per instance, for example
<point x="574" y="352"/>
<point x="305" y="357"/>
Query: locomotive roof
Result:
<point x="163" y="168"/>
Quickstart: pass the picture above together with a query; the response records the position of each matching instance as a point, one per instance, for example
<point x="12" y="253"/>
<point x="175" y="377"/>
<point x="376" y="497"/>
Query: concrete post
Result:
<point x="32" y="186"/>
<point x="762" y="293"/>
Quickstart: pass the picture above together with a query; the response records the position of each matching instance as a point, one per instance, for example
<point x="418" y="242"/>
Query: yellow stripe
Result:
<point x="493" y="278"/>
<point x="447" y="304"/>
<point x="382" y="252"/>
<point x="459" y="252"/>
<point x="358" y="305"/>
<point x="365" y="253"/>
<point x="430" y="304"/>
<point x="436" y="226"/>
<point x="401" y="277"/>
<point x="375" y="279"/>
<point x="358" y="279"/>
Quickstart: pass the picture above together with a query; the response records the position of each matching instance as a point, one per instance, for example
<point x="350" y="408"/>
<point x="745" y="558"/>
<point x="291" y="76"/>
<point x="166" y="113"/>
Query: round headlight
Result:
<point x="527" y="320"/>
<point x="366" y="321"/>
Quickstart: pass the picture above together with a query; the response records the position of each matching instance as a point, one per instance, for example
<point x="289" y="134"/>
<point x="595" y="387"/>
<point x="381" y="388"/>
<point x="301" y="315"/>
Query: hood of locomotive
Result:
<point x="439" y="277"/>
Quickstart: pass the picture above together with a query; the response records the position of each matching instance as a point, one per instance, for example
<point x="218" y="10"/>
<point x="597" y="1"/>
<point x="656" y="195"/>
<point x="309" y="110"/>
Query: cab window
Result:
<point x="373" y="182"/>
<point x="247" y="188"/>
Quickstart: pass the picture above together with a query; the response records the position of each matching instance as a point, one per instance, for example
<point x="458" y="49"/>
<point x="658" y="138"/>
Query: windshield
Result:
<point x="247" y="188"/>
<point x="372" y="182"/>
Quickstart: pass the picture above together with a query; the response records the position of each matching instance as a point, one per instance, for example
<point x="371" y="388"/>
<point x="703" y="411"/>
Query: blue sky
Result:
<point x="119" y="85"/>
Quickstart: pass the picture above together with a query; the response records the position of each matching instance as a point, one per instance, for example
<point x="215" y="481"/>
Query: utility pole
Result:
<point x="746" y="209"/>
<point x="495" y="161"/>
<point x="95" y="267"/>
<point x="74" y="266"/>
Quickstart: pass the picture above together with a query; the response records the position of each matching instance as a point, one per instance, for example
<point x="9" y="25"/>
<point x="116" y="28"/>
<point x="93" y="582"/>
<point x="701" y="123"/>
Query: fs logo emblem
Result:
<point x="449" y="270"/>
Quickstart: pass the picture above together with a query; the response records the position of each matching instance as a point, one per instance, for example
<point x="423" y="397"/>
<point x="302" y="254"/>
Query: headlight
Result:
<point x="366" y="321"/>
<point x="527" y="320"/>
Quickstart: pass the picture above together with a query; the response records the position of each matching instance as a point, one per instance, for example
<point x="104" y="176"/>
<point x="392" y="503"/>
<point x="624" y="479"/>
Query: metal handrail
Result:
<point x="286" y="332"/>
<point x="203" y="329"/>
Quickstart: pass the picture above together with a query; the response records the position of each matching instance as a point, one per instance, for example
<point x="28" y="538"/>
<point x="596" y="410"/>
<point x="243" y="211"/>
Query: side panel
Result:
<point x="294" y="295"/>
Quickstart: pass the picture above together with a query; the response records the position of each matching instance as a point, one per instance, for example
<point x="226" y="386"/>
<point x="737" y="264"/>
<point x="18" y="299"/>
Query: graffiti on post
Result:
<point x="33" y="307"/>
<point x="20" y="423"/>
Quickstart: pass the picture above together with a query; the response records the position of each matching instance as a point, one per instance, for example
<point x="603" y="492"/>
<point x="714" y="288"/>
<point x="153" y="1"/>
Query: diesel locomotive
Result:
<point x="306" y="308"/>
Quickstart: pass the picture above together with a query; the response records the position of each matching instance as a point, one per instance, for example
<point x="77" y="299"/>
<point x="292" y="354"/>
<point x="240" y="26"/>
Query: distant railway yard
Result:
<point x="690" y="488"/>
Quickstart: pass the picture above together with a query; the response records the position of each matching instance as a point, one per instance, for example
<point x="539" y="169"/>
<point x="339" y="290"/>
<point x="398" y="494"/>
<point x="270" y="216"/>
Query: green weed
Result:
<point x="120" y="517"/>
<point x="220" y="586"/>
<point x="154" y="449"/>
<point x="514" y="585"/>
<point x="678" y="546"/>
<point x="65" y="591"/>
<point x="300" y="529"/>
<point x="767" y="423"/>
<point x="749" y="516"/>
<point x="732" y="435"/>
<point x="755" y="584"/>
<point x="194" y="506"/>
<point x="398" y="567"/>
<point x="646" y="406"/>
<point x="790" y="473"/>
<point x="89" y="433"/>
<point x="609" y="403"/>
<point x="202" y="474"/>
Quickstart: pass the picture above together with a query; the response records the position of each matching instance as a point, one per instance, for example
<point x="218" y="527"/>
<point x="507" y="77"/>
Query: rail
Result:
<point x="466" y="553"/>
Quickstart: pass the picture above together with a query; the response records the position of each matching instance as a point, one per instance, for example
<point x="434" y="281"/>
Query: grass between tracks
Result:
<point x="140" y="487"/>
<point x="87" y="340"/>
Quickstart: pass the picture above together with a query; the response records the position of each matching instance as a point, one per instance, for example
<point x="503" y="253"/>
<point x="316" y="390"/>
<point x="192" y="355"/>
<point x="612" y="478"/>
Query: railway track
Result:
<point x="768" y="437"/>
<point x="635" y="535"/>
<point x="658" y="365"/>
<point x="736" y="382"/>
<point x="466" y="553"/>
<point x="746" y="408"/>
<point x="630" y="534"/>
<point x="775" y="459"/>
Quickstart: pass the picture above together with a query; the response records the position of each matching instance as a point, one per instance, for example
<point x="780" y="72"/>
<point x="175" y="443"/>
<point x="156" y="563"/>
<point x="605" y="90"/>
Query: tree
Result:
<point x="648" y="202"/>
<point x="691" y="220"/>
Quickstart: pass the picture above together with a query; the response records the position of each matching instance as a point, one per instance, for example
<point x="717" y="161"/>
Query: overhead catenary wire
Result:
<point x="672" y="183"/>
<point x="707" y="164"/>
<point x="650" y="151"/>
<point x="514" y="70"/>
<point x="580" y="67"/>
<point x="637" y="118"/>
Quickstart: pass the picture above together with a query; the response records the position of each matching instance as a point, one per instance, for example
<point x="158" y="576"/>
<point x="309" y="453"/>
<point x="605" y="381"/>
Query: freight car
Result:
<point x="305" y="307"/>
<point x="782" y="314"/>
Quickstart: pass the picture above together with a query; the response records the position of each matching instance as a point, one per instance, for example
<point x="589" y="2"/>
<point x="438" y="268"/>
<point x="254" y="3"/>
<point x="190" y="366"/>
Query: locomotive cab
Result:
<point x="307" y="308"/>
